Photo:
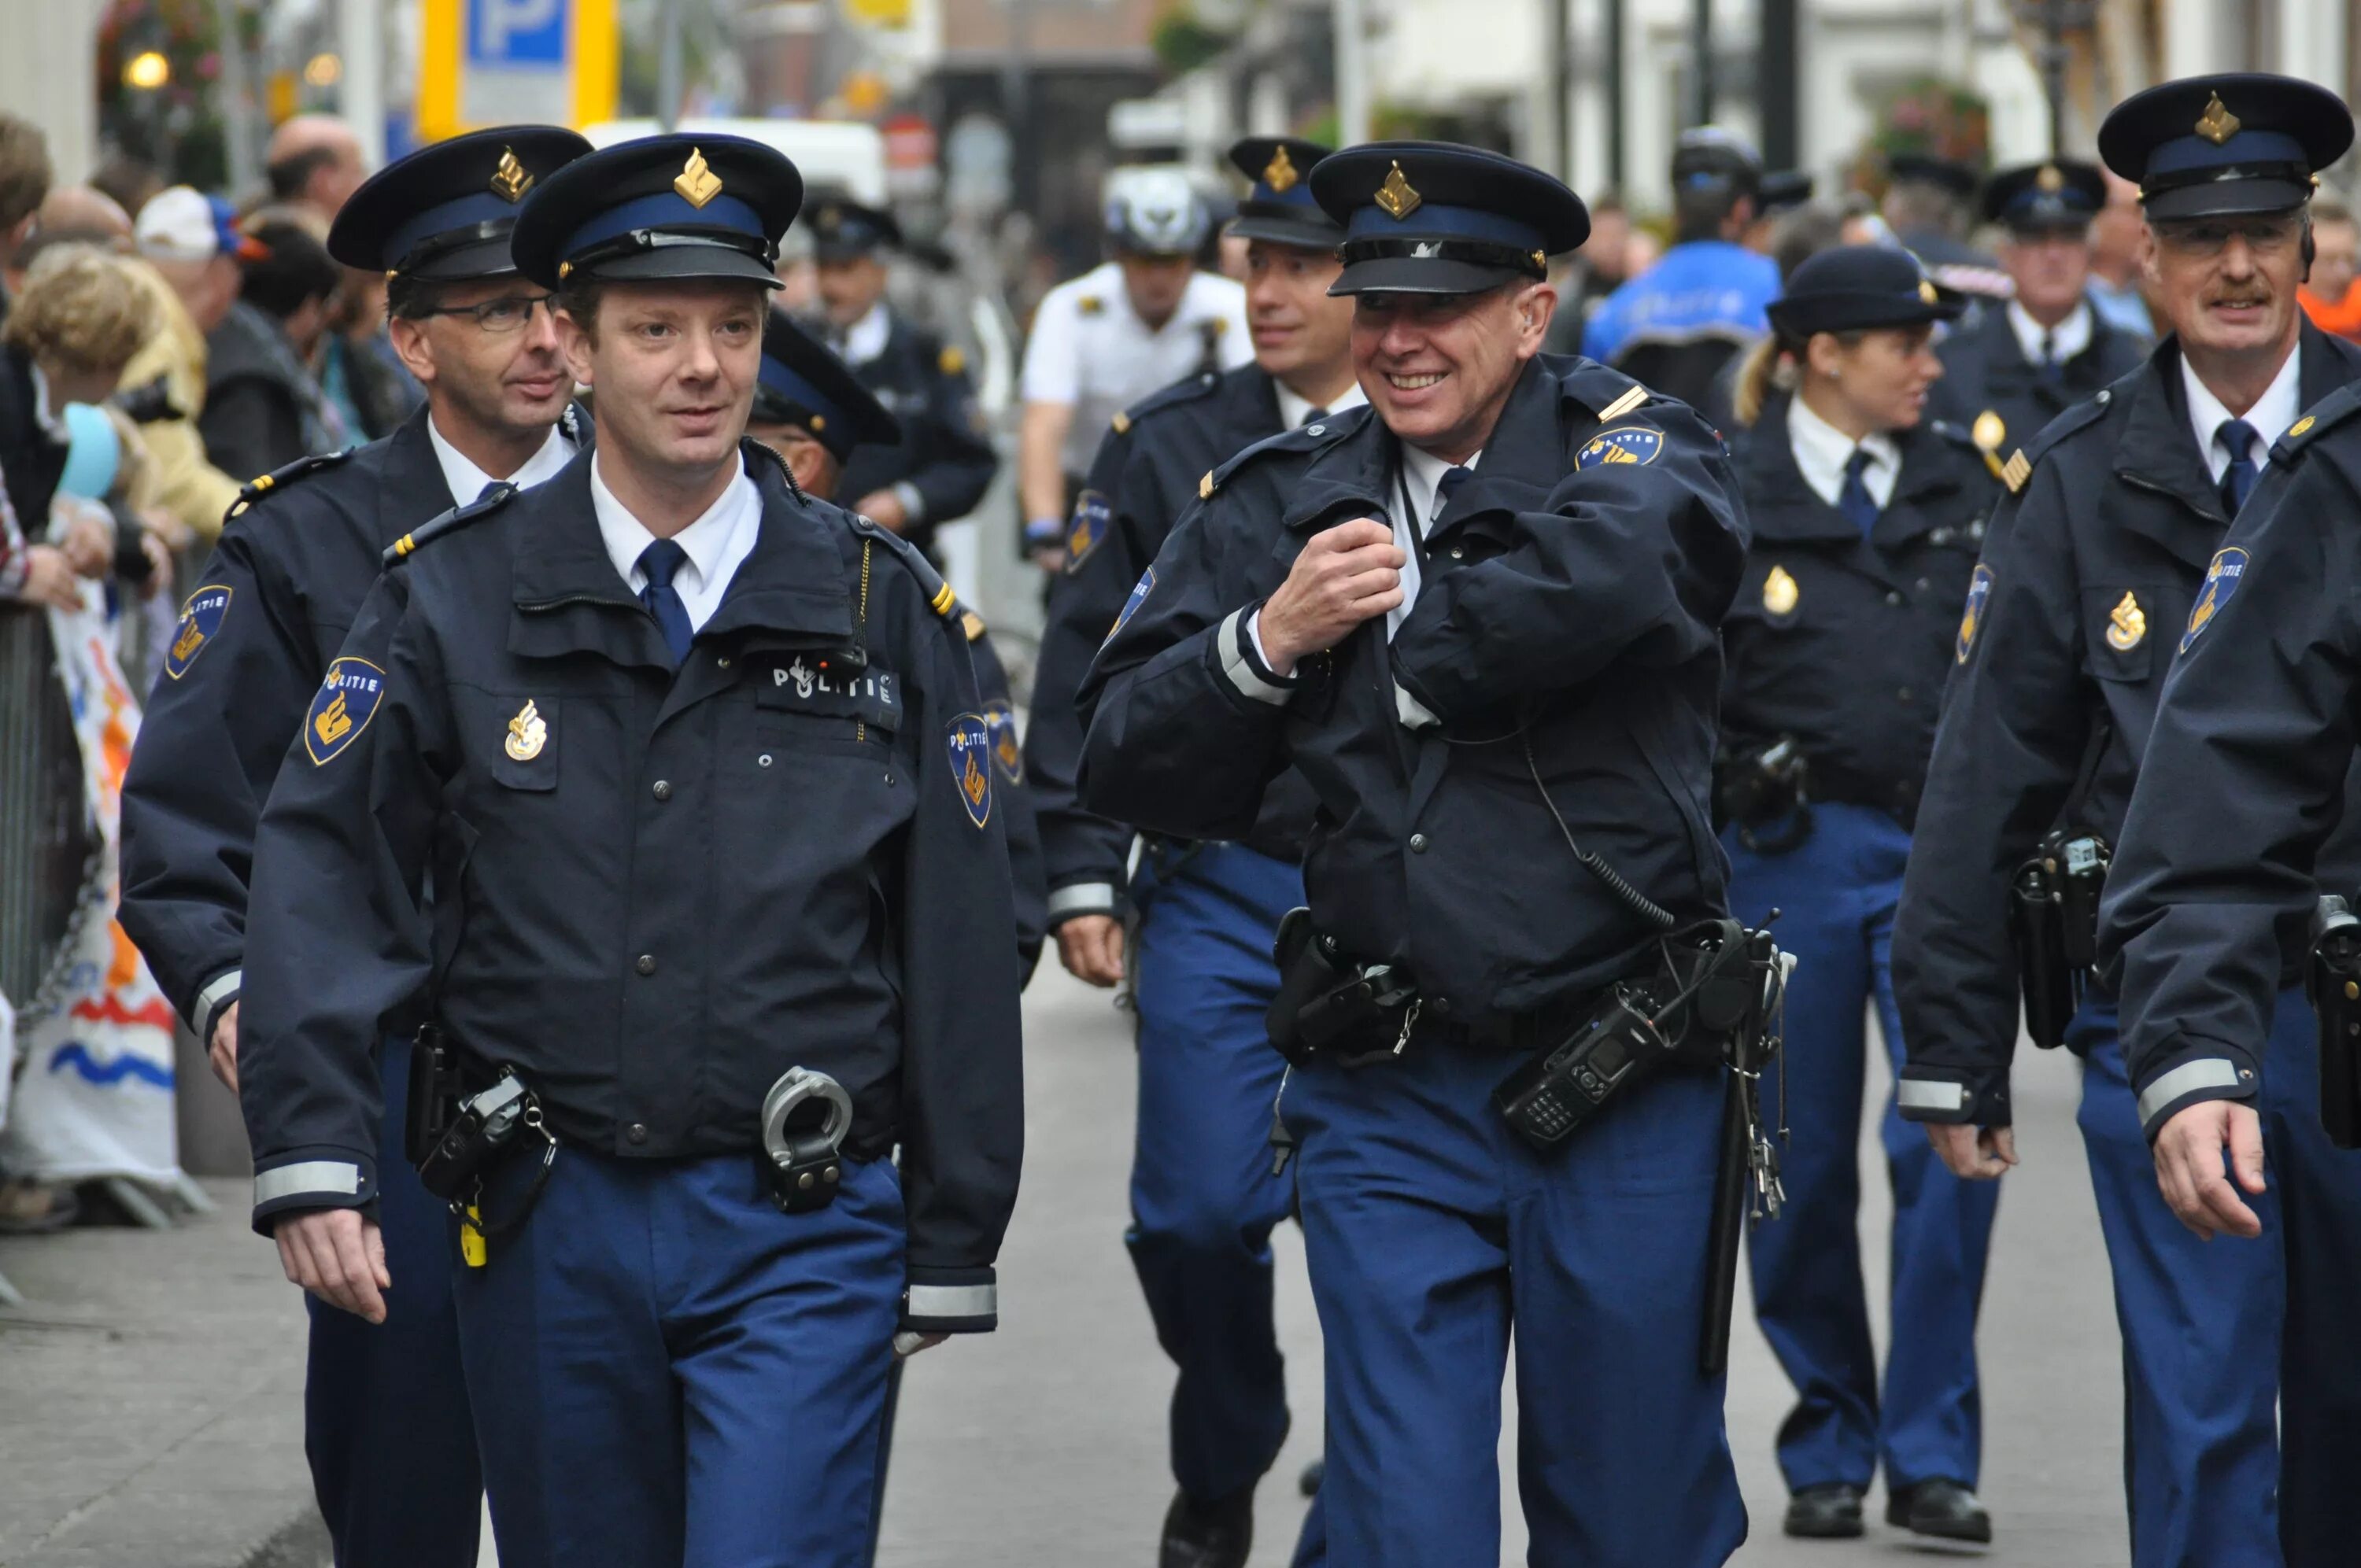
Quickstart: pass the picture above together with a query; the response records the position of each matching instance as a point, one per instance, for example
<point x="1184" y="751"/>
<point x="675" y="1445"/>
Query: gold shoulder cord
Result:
<point x="861" y="726"/>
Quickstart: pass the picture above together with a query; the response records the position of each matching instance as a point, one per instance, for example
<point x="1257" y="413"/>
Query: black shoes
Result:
<point x="1943" y="1509"/>
<point x="1826" y="1513"/>
<point x="1208" y="1535"/>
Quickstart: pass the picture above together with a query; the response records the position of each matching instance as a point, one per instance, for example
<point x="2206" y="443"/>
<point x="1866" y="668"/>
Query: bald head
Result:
<point x="85" y="213"/>
<point x="314" y="159"/>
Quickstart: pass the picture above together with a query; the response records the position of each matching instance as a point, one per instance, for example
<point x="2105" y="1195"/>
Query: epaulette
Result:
<point x="1608" y="394"/>
<point x="1302" y="438"/>
<point x="940" y="598"/>
<point x="972" y="623"/>
<point x="2318" y="420"/>
<point x="280" y="479"/>
<point x="2018" y="470"/>
<point x="490" y="501"/>
<point x="1187" y="389"/>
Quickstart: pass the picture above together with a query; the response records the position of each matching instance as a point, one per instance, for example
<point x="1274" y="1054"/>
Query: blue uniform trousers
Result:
<point x="1204" y="1197"/>
<point x="385" y="1427"/>
<point x="669" y="1373"/>
<point x="1432" y="1230"/>
<point x="1837" y="894"/>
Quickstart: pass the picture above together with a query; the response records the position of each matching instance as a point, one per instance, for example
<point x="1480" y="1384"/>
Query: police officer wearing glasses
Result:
<point x="2091" y="574"/>
<point x="698" y="769"/>
<point x="387" y="1425"/>
<point x="1481" y="619"/>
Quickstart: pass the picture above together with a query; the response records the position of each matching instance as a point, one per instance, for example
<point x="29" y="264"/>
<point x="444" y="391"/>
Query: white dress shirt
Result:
<point x="718" y="542"/>
<point x="1089" y="348"/>
<point x="1293" y="410"/>
<point x="1822" y="453"/>
<point x="864" y="340"/>
<point x="2067" y="339"/>
<point x="468" y="481"/>
<point x="2273" y="412"/>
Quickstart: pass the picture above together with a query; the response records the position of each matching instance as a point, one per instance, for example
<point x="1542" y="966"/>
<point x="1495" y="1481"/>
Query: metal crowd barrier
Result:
<point x="47" y="839"/>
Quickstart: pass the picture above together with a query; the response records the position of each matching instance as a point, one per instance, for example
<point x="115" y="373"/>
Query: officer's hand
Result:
<point x="338" y="1255"/>
<point x="1972" y="1153"/>
<point x="50" y="578"/>
<point x="222" y="1050"/>
<point x="2189" y="1167"/>
<point x="1346" y="576"/>
<point x="884" y="508"/>
<point x="1091" y="947"/>
<point x="907" y="1344"/>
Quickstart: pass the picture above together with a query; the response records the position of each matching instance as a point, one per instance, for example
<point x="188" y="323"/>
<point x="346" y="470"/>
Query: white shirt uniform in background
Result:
<point x="1089" y="348"/>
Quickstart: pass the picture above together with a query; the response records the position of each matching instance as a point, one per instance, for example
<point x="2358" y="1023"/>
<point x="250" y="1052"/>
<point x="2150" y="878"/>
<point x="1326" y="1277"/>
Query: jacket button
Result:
<point x="1442" y="1006"/>
<point x="637" y="1132"/>
<point x="1901" y="696"/>
<point x="1893" y="598"/>
<point x="647" y="964"/>
<point x="723" y="660"/>
<point x="663" y="790"/>
<point x="1457" y="551"/>
<point x="1418" y="843"/>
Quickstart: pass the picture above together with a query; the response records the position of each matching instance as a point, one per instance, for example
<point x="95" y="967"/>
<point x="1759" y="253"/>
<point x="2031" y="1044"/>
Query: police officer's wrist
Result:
<point x="950" y="1301"/>
<point x="1044" y="532"/>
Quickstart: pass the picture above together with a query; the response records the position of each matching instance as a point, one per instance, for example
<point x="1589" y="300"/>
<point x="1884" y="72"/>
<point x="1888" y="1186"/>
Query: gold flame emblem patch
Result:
<point x="1279" y="172"/>
<point x="698" y="184"/>
<point x="1396" y="196"/>
<point x="2127" y="624"/>
<point x="509" y="181"/>
<point x="2217" y="125"/>
<point x="528" y="733"/>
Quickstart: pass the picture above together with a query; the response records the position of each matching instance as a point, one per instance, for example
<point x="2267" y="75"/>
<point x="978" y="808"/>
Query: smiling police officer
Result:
<point x="387" y="1432"/>
<point x="697" y="763"/>
<point x="2088" y="575"/>
<point x="1481" y="619"/>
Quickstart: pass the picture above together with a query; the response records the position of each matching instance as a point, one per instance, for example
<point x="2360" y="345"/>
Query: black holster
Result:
<point x="1329" y="1008"/>
<point x="2053" y="908"/>
<point x="1763" y="786"/>
<point x="2333" y="980"/>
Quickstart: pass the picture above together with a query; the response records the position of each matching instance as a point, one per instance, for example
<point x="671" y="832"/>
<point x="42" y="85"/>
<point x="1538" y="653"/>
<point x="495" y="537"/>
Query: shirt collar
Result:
<point x="1423" y="472"/>
<point x="708" y="541"/>
<point x="1292" y="407"/>
<point x="2067" y="339"/>
<point x="2272" y="413"/>
<point x="53" y="424"/>
<point x="864" y="340"/>
<point x="1822" y="450"/>
<point x="468" y="481"/>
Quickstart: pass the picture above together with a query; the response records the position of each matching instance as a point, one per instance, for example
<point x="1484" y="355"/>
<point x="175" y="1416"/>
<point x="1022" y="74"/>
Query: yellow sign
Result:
<point x="879" y="12"/>
<point x="584" y="85"/>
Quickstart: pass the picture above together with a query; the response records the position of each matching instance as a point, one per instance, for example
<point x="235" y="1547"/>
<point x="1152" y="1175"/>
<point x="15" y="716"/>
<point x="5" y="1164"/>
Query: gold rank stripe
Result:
<point x="1623" y="405"/>
<point x="405" y="545"/>
<point x="2015" y="471"/>
<point x="941" y="602"/>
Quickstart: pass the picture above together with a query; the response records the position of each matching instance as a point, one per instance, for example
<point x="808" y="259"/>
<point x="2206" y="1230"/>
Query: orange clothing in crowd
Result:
<point x="2342" y="317"/>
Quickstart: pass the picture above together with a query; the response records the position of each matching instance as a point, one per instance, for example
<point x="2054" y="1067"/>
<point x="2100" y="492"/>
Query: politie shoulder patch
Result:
<point x="2222" y="578"/>
<point x="1131" y="606"/>
<point x="201" y="621"/>
<point x="1625" y="444"/>
<point x="1087" y="528"/>
<point x="969" y="739"/>
<point x="1006" y="752"/>
<point x="1980" y="586"/>
<point x="341" y="709"/>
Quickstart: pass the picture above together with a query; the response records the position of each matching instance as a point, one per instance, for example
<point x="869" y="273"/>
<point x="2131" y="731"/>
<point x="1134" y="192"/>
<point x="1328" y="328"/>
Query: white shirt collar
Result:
<point x="717" y="544"/>
<point x="1822" y="453"/>
<point x="466" y="481"/>
<point x="864" y="340"/>
<point x="54" y="425"/>
<point x="2272" y="413"/>
<point x="2067" y="339"/>
<point x="1293" y="409"/>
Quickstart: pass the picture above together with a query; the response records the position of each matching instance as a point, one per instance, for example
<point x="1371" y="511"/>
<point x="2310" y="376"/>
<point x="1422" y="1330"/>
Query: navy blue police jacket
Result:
<point x="1021" y="823"/>
<point x="1566" y="625"/>
<point x="1984" y="368"/>
<point x="2089" y="574"/>
<point x="945" y="455"/>
<point x="1842" y="643"/>
<point x="2240" y="815"/>
<point x="1145" y="476"/>
<point x="295" y="559"/>
<point x="656" y="891"/>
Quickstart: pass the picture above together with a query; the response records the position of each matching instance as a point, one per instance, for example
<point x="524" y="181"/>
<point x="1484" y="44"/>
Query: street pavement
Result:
<point x="149" y="1388"/>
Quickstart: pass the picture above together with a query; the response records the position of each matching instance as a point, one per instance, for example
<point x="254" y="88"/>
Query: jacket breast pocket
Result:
<point x="2129" y="630"/>
<point x="522" y="738"/>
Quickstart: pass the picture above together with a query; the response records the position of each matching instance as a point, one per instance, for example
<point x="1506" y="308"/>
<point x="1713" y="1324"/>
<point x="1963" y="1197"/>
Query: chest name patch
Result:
<point x="815" y="683"/>
<point x="1625" y="444"/>
<point x="348" y="699"/>
<point x="2222" y="578"/>
<point x="201" y="622"/>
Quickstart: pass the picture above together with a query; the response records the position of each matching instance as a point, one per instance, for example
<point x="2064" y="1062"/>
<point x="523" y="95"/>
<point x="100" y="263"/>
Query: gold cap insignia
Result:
<point x="2300" y="426"/>
<point x="2216" y="124"/>
<point x="2126" y="626"/>
<point x="2049" y="180"/>
<point x="1122" y="422"/>
<point x="698" y="184"/>
<point x="565" y="270"/>
<point x="1926" y="291"/>
<point x="1780" y="592"/>
<point x="1397" y="197"/>
<point x="527" y="734"/>
<point x="1988" y="431"/>
<point x="1279" y="172"/>
<point x="509" y="181"/>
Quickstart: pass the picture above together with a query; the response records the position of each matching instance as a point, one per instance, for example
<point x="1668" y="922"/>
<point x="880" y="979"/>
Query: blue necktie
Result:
<point x="660" y="561"/>
<point x="2051" y="370"/>
<point x="1448" y="484"/>
<point x="2237" y="437"/>
<point x="1313" y="415"/>
<point x="1854" y="499"/>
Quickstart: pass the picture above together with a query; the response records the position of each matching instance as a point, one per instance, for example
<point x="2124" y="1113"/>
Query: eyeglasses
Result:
<point x="2265" y="234"/>
<point x="498" y="318"/>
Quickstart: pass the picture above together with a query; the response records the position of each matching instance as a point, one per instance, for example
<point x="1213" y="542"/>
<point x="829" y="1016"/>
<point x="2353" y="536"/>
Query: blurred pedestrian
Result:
<point x="2116" y="282"/>
<point x="1926" y="207"/>
<point x="25" y="179"/>
<point x="2329" y="296"/>
<point x="263" y="407"/>
<point x="359" y="372"/>
<point x="189" y="251"/>
<point x="314" y="161"/>
<point x="131" y="182"/>
<point x="1591" y="273"/>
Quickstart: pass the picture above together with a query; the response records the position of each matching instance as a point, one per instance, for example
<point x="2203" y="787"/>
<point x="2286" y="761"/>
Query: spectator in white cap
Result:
<point x="190" y="250"/>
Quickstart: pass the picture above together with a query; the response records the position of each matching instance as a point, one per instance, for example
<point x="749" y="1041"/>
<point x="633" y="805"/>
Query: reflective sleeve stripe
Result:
<point x="2213" y="1072"/>
<point x="1083" y="898"/>
<point x="307" y="1177"/>
<point x="1929" y="1094"/>
<point x="1239" y="666"/>
<point x="210" y="1001"/>
<point x="914" y="505"/>
<point x="951" y="1301"/>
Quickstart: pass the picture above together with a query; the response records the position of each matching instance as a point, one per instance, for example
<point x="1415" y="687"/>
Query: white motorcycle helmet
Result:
<point x="1154" y="212"/>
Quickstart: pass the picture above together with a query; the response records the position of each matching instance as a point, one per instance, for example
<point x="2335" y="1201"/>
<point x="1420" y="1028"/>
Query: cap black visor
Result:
<point x="2225" y="198"/>
<point x="1422" y="275"/>
<point x="681" y="263"/>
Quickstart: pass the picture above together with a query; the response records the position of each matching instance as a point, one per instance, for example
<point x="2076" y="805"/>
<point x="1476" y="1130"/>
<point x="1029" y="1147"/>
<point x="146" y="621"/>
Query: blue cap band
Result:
<point x="1296" y="196"/>
<point x="1433" y="220"/>
<point x="481" y="207"/>
<point x="665" y="210"/>
<point x="2069" y="201"/>
<point x="777" y="375"/>
<point x="2189" y="154"/>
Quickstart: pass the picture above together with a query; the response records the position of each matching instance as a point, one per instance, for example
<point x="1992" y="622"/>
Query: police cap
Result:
<point x="661" y="207"/>
<point x="845" y="230"/>
<point x="1716" y="155"/>
<point x="802" y="384"/>
<point x="1945" y="174"/>
<point x="1424" y="217"/>
<point x="1783" y="189"/>
<point x="446" y="211"/>
<point x="2042" y="198"/>
<point x="1279" y="207"/>
<point x="1857" y="287"/>
<point x="2237" y="142"/>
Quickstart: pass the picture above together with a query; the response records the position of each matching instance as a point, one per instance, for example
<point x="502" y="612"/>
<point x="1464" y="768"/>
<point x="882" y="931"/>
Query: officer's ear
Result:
<point x="1536" y="304"/>
<point x="2309" y="250"/>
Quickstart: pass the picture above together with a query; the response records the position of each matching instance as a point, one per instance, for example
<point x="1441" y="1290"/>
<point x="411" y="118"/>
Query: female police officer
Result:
<point x="1867" y="518"/>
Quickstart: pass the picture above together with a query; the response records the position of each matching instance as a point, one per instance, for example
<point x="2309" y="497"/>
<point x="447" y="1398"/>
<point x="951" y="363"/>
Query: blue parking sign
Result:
<point x="516" y="33"/>
<point x="515" y="63"/>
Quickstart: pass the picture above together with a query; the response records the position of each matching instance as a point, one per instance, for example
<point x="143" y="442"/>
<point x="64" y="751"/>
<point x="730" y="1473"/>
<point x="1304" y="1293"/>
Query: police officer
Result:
<point x="1203" y="1195"/>
<point x="1867" y="516"/>
<point x="813" y="411"/>
<point x="1927" y="201"/>
<point x="938" y="466"/>
<point x="387" y="1431"/>
<point x="2021" y="366"/>
<point x="1677" y="325"/>
<point x="699" y="766"/>
<point x="1482" y="620"/>
<point x="2087" y="578"/>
